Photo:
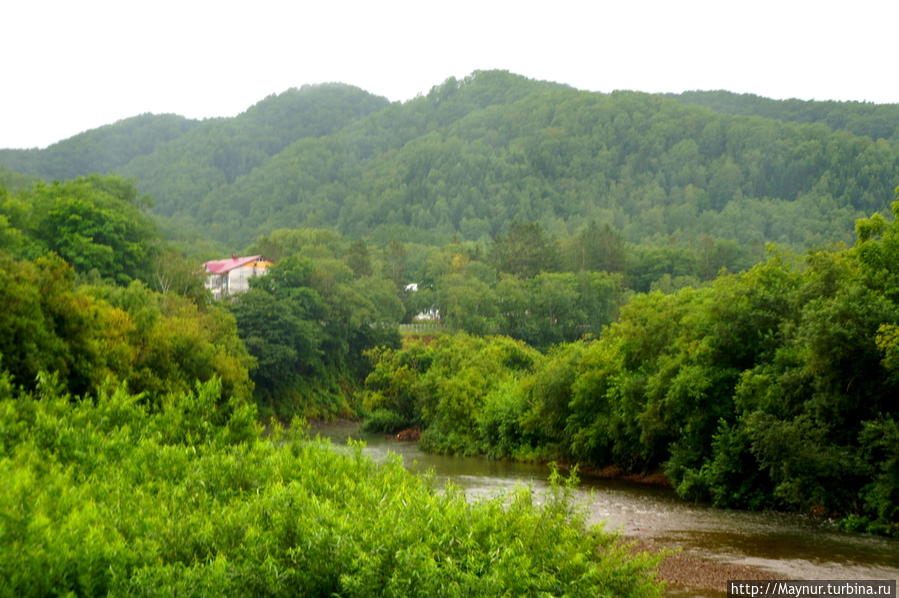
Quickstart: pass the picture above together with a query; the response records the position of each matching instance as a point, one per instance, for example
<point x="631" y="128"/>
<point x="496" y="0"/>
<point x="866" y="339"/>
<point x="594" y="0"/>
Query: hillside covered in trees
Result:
<point x="877" y="121"/>
<point x="474" y="155"/>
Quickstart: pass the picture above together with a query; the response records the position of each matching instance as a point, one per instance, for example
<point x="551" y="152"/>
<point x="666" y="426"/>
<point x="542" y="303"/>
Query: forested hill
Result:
<point x="878" y="121"/>
<point x="215" y="153"/>
<point x="474" y="155"/>
<point x="15" y="181"/>
<point x="99" y="150"/>
<point x="177" y="160"/>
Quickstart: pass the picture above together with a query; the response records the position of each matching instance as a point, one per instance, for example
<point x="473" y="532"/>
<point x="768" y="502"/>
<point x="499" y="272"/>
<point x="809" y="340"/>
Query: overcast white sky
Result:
<point x="69" y="66"/>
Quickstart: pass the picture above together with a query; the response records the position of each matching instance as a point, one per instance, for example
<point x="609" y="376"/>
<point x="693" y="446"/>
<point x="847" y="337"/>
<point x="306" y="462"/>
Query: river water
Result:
<point x="786" y="545"/>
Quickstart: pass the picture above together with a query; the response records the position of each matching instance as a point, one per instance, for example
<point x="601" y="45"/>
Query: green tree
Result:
<point x="467" y="304"/>
<point x="358" y="259"/>
<point x="308" y="323"/>
<point x="524" y="250"/>
<point x="598" y="249"/>
<point x="284" y="344"/>
<point x="96" y="224"/>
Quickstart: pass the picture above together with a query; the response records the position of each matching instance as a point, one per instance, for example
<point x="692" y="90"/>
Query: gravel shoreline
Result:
<point x="684" y="571"/>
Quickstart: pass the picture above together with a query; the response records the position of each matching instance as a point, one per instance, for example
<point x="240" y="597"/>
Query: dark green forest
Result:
<point x="877" y="121"/>
<point x="98" y="150"/>
<point x="475" y="154"/>
<point x="703" y="285"/>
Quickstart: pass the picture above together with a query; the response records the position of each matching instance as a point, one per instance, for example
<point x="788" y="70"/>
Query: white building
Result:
<point x="232" y="276"/>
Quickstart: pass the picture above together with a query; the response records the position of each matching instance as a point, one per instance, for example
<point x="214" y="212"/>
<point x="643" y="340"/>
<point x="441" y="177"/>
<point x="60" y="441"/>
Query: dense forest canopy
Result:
<point x="14" y="181"/>
<point x="99" y="150"/>
<point x="771" y="388"/>
<point x="476" y="154"/>
<point x="877" y="121"/>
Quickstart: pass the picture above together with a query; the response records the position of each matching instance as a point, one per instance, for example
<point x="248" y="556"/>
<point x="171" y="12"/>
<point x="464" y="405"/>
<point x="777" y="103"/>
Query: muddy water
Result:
<point x="784" y="545"/>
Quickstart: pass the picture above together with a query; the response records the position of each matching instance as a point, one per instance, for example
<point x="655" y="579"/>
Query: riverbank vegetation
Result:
<point x="109" y="493"/>
<point x="133" y="457"/>
<point x="771" y="388"/>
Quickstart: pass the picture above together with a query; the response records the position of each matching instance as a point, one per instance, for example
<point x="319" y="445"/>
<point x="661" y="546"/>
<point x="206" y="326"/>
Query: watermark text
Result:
<point x="883" y="588"/>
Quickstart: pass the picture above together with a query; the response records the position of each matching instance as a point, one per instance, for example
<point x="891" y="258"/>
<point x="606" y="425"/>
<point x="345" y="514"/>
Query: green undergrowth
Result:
<point x="108" y="496"/>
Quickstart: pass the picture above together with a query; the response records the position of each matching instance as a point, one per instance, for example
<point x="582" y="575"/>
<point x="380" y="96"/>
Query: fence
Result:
<point x="423" y="328"/>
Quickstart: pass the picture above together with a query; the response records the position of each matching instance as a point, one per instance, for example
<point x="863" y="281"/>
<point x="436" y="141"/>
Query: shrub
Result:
<point x="385" y="420"/>
<point x="108" y="496"/>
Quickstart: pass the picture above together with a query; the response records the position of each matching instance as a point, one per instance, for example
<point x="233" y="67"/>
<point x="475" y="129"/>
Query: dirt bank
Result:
<point x="611" y="472"/>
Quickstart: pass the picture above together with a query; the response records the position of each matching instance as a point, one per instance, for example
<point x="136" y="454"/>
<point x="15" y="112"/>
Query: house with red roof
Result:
<point x="232" y="276"/>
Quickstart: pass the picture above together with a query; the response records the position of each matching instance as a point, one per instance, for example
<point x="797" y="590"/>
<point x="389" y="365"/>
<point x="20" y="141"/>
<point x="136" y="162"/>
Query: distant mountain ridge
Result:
<point x="215" y="153"/>
<point x="878" y="121"/>
<point x="475" y="154"/>
<point x="99" y="150"/>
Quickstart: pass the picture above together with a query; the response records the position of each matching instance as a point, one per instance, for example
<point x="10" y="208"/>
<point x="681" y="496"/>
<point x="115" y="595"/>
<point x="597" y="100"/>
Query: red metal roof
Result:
<point x="222" y="266"/>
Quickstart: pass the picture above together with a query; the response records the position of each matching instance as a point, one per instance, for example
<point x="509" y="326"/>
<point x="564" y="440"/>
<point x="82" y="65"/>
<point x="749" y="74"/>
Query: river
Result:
<point x="785" y="545"/>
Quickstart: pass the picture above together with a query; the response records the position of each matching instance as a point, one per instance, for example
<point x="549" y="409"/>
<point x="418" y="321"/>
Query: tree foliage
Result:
<point x="156" y="344"/>
<point x="475" y="154"/>
<point x="95" y="223"/>
<point x="860" y="118"/>
<point x="307" y="323"/>
<point x="104" y="495"/>
<point x="101" y="150"/>
<point x="771" y="388"/>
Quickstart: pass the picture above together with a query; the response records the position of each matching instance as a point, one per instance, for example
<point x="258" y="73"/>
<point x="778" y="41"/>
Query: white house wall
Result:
<point x="239" y="278"/>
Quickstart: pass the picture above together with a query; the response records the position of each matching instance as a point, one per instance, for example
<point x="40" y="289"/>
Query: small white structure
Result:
<point x="232" y="276"/>
<point x="431" y="315"/>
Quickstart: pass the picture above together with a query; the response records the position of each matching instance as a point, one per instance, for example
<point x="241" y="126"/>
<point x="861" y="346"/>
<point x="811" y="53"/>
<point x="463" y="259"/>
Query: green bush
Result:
<point x="449" y="386"/>
<point x="385" y="420"/>
<point x="105" y="496"/>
